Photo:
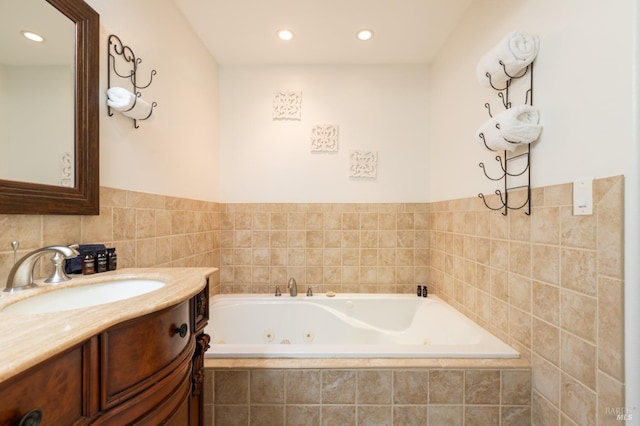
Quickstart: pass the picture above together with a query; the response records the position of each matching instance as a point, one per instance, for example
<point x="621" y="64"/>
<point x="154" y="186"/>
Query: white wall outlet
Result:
<point x="583" y="197"/>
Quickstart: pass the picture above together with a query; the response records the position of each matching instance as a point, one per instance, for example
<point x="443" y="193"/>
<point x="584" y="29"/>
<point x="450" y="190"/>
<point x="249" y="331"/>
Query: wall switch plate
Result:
<point x="583" y="197"/>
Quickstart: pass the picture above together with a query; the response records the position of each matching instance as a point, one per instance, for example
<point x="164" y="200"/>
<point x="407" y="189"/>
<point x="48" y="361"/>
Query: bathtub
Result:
<point x="345" y="326"/>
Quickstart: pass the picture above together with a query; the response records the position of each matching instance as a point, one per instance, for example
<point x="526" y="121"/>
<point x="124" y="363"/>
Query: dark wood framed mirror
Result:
<point x="82" y="194"/>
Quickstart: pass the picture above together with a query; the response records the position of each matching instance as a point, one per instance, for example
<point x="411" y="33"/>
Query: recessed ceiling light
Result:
<point x="365" y="35"/>
<point x="285" y="35"/>
<point x="33" y="36"/>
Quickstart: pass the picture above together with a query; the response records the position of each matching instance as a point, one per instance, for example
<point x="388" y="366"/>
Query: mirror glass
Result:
<point x="36" y="94"/>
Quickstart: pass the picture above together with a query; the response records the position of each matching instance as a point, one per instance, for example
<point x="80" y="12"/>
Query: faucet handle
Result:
<point x="278" y="293"/>
<point x="309" y="291"/>
<point x="58" y="275"/>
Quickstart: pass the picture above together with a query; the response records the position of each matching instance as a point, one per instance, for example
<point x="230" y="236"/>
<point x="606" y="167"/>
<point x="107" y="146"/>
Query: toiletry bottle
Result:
<point x="101" y="261"/>
<point x="419" y="291"/>
<point x="424" y="291"/>
<point x="88" y="264"/>
<point x="112" y="259"/>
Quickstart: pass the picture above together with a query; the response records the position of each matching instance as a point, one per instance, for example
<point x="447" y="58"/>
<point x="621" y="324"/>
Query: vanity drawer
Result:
<point x="64" y="402"/>
<point x="135" y="353"/>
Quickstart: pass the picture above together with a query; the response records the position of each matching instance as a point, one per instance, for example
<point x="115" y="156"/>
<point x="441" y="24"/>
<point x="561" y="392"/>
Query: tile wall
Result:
<point x="331" y="397"/>
<point x="146" y="230"/>
<point x="356" y="248"/>
<point x="551" y="284"/>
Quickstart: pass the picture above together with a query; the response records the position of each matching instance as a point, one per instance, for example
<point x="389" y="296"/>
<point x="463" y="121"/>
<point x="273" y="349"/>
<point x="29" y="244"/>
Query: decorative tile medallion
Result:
<point x="287" y="105"/>
<point x="324" y="137"/>
<point x="363" y="164"/>
<point x="66" y="170"/>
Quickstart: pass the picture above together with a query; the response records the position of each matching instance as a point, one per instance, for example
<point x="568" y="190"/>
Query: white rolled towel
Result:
<point x="128" y="103"/>
<point x="516" y="51"/>
<point x="511" y="128"/>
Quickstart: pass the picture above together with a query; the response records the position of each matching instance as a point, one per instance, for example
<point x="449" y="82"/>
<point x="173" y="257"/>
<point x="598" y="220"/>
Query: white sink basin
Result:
<point x="83" y="296"/>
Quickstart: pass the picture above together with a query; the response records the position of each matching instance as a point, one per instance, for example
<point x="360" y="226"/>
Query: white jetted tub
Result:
<point x="345" y="326"/>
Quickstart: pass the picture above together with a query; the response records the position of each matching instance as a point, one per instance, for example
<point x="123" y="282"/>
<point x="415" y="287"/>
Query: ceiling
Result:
<point x="41" y="17"/>
<point x="244" y="31"/>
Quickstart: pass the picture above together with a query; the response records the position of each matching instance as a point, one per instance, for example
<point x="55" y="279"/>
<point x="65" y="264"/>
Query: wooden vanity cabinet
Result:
<point x="147" y="370"/>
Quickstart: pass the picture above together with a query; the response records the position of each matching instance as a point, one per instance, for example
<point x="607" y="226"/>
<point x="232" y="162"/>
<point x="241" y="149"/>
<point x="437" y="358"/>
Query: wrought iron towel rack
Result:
<point x="508" y="163"/>
<point x="118" y="50"/>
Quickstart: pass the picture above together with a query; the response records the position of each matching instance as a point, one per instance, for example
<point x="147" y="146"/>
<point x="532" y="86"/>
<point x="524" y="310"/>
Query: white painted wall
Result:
<point x="378" y="108"/>
<point x="582" y="80"/>
<point x="33" y="152"/>
<point x="175" y="152"/>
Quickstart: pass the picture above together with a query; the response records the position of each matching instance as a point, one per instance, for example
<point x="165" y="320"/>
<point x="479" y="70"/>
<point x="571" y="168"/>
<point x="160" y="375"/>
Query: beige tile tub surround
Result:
<point x="368" y="397"/>
<point x="147" y="231"/>
<point x="366" y="248"/>
<point x="551" y="285"/>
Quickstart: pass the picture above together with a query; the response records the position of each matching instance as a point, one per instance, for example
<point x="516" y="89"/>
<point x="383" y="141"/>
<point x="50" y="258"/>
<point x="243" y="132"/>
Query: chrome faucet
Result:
<point x="21" y="275"/>
<point x="293" y="287"/>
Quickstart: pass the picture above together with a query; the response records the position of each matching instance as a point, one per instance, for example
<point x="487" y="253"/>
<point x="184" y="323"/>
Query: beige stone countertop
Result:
<point x="28" y="339"/>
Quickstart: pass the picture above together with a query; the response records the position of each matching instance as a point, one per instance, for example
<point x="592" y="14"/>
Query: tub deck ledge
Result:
<point x="320" y="363"/>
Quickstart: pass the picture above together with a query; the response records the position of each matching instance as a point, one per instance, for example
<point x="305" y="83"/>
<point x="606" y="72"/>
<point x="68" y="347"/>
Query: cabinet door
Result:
<point x="163" y="402"/>
<point x="55" y="387"/>
<point x="134" y="353"/>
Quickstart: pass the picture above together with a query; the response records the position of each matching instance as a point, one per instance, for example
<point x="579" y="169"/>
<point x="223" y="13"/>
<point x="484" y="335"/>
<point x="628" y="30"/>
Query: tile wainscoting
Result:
<point x="147" y="230"/>
<point x="353" y="248"/>
<point x="550" y="284"/>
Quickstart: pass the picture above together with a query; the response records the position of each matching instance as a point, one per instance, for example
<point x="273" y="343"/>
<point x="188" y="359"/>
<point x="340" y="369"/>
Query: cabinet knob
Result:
<point x="32" y="418"/>
<point x="182" y="330"/>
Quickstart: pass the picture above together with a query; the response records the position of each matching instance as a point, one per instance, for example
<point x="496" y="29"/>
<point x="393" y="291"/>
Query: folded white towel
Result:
<point x="516" y="51"/>
<point x="128" y="103"/>
<point x="510" y="128"/>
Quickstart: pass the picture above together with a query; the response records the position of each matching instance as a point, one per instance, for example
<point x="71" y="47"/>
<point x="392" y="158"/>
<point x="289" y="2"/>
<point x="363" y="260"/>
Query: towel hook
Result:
<point x="487" y="105"/>
<point x="512" y="77"/>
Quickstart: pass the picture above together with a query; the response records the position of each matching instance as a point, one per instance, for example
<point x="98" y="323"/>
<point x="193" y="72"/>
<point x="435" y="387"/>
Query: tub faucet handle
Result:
<point x="309" y="291"/>
<point x="278" y="293"/>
